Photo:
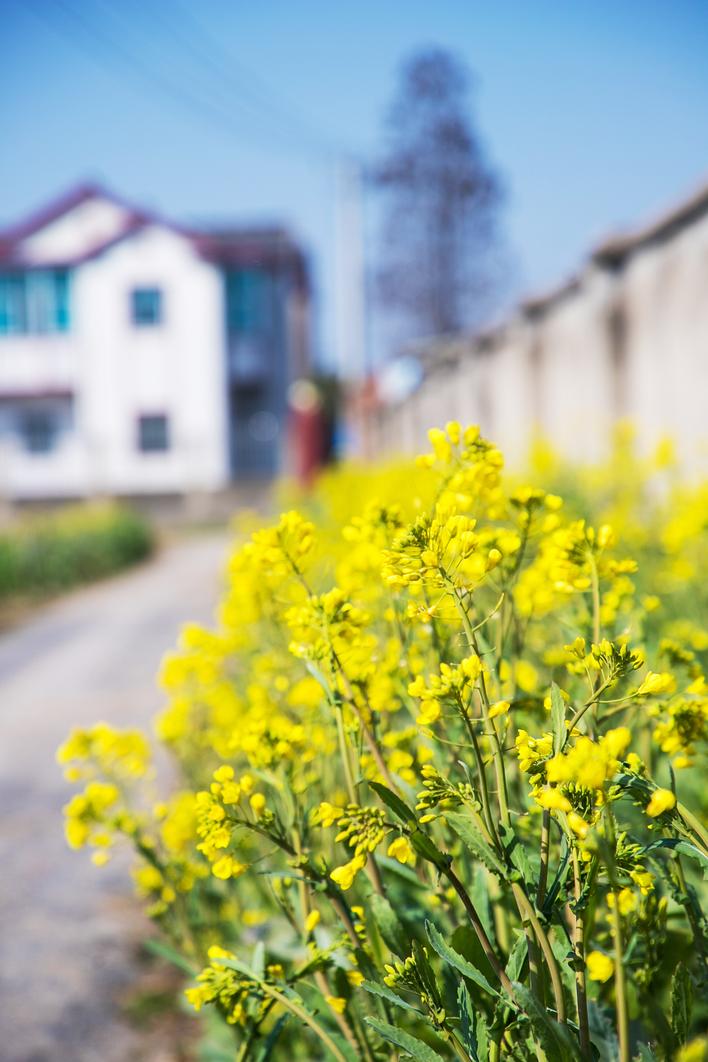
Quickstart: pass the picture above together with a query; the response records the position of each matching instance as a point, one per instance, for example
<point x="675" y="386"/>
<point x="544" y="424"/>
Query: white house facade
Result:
<point x="139" y="357"/>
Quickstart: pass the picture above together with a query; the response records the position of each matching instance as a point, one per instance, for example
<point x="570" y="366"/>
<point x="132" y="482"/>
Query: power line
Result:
<point x="93" y="35"/>
<point x="210" y="53"/>
<point x="350" y="269"/>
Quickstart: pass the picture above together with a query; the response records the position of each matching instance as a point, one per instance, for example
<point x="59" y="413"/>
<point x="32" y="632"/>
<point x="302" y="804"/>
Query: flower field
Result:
<point x="441" y="768"/>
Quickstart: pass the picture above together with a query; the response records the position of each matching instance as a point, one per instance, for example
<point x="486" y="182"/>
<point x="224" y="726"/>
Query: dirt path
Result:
<point x="69" y="932"/>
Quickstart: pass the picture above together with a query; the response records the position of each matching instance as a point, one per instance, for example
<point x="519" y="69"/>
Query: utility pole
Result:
<point x="350" y="333"/>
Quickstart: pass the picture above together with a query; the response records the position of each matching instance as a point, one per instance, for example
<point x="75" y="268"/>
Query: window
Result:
<point x="38" y="429"/>
<point x="247" y="298"/>
<point x="34" y="302"/>
<point x="37" y="425"/>
<point x="153" y="433"/>
<point x="146" y="306"/>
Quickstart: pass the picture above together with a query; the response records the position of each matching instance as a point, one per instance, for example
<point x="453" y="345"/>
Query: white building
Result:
<point x="626" y="338"/>
<point x="140" y="357"/>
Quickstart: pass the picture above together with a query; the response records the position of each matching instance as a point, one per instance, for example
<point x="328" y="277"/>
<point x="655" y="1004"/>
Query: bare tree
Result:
<point x="440" y="201"/>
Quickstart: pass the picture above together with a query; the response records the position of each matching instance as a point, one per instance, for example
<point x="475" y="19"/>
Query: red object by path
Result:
<point x="307" y="433"/>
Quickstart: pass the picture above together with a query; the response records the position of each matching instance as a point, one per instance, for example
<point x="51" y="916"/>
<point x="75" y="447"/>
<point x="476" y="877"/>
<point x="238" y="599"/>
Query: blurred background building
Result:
<point x="138" y="356"/>
<point x="436" y="174"/>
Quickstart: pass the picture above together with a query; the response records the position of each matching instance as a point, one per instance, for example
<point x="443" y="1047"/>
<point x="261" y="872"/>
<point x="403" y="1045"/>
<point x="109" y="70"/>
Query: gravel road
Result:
<point x="69" y="932"/>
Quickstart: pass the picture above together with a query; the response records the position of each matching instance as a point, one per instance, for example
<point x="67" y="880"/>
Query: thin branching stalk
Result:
<point x="545" y="851"/>
<point x="304" y="1016"/>
<point x="479" y="929"/>
<point x="621" y="1007"/>
<point x="579" y="949"/>
<point x="489" y="727"/>
<point x="526" y="908"/>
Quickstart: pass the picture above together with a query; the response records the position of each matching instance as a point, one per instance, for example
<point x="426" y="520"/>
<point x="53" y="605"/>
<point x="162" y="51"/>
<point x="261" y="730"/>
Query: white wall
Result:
<point x="177" y="367"/>
<point x="555" y="368"/>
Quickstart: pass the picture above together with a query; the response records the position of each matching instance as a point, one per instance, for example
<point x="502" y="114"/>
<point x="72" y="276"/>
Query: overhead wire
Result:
<point x="113" y="48"/>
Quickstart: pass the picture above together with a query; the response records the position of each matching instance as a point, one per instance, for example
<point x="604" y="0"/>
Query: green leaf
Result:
<point x="240" y="967"/>
<point x="674" y="844"/>
<point x="681" y="1002"/>
<point x="428" y="976"/>
<point x="400" y="870"/>
<point x="516" y="853"/>
<point x="555" y="1040"/>
<point x="428" y="850"/>
<point x="453" y="958"/>
<point x="690" y="850"/>
<point x="473" y="839"/>
<point x="514" y="969"/>
<point x="387" y="993"/>
<point x="399" y="807"/>
<point x="473" y="1026"/>
<point x="158" y="947"/>
<point x="271" y="1040"/>
<point x="560" y="731"/>
<point x="388" y="925"/>
<point x="602" y="1033"/>
<point x="517" y="957"/>
<point x="258" y="960"/>
<point x="559" y="878"/>
<point x="645" y="1054"/>
<point x="414" y="1047"/>
<point x="479" y="894"/>
<point x="319" y="677"/>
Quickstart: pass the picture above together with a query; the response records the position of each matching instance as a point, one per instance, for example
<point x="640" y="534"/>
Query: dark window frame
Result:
<point x="151" y="313"/>
<point x="157" y="443"/>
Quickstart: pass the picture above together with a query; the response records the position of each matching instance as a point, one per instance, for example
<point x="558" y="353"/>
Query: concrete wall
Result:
<point x="628" y="339"/>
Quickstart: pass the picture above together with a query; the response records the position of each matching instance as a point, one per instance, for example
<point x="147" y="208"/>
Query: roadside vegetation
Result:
<point x="45" y="554"/>
<point x="441" y="766"/>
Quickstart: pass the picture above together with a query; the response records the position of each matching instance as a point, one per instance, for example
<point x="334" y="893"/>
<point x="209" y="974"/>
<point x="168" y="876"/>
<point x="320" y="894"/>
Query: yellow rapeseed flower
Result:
<point x="600" y="967"/>
<point x="661" y="800"/>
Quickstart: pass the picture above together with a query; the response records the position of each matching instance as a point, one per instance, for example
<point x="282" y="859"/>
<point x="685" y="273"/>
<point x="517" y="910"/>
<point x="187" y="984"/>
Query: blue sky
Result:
<point x="594" y="112"/>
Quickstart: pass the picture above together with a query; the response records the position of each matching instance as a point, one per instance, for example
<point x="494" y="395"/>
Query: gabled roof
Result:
<point x="51" y="211"/>
<point x="270" y="247"/>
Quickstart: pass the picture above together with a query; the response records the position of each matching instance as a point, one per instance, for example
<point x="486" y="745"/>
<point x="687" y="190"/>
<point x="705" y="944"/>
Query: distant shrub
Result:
<point x="52" y="552"/>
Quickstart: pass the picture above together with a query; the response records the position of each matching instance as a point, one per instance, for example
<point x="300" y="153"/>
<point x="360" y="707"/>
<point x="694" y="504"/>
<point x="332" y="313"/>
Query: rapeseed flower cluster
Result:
<point x="439" y="769"/>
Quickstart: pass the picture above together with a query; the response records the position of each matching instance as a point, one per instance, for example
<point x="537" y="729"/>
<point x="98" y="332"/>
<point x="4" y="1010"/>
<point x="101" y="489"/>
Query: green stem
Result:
<point x="489" y="727"/>
<point x="365" y="728"/>
<point x="693" y="825"/>
<point x="616" y="922"/>
<point x="344" y="752"/>
<point x="483" y="787"/>
<point x="582" y="710"/>
<point x="620" y="986"/>
<point x="579" y="949"/>
<point x="479" y="930"/>
<point x="545" y="847"/>
<point x="526" y="909"/>
<point x="308" y="1020"/>
<point x="595" y="601"/>
<point x="340" y="1019"/>
<point x="246" y="1045"/>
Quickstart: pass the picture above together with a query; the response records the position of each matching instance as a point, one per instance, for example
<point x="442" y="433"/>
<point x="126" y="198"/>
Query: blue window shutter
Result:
<point x="62" y="318"/>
